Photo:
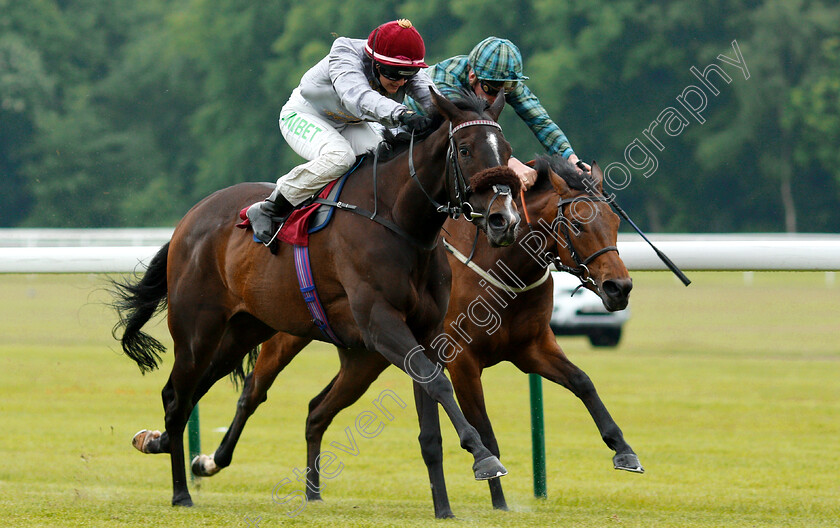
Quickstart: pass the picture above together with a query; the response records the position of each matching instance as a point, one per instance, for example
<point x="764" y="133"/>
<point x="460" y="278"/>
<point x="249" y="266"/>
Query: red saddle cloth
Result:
<point x="295" y="230"/>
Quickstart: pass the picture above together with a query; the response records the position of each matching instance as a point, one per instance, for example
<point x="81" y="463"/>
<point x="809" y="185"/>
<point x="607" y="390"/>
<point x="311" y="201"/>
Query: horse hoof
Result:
<point x="142" y="438"/>
<point x="628" y="462"/>
<point x="489" y="468"/>
<point x="313" y="497"/>
<point x="204" y="466"/>
<point x="445" y="515"/>
<point x="183" y="500"/>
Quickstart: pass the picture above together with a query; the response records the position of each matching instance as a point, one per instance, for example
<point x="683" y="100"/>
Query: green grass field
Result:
<point x="729" y="391"/>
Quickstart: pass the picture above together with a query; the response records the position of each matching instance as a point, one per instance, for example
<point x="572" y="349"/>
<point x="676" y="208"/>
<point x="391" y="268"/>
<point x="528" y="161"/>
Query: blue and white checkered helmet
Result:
<point x="496" y="59"/>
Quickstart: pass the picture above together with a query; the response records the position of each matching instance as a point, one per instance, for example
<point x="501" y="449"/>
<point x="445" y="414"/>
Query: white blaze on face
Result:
<point x="509" y="209"/>
<point x="493" y="141"/>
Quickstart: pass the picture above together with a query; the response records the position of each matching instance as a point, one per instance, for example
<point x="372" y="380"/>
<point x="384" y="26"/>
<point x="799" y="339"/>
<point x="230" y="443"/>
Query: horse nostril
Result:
<point x="497" y="221"/>
<point x="617" y="287"/>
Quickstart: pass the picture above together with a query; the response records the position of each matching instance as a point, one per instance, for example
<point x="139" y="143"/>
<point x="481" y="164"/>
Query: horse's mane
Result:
<point x="563" y="168"/>
<point x="394" y="144"/>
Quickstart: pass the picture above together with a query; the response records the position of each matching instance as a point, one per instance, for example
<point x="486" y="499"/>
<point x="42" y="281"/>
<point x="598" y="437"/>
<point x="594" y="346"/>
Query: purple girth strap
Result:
<point x="310" y="295"/>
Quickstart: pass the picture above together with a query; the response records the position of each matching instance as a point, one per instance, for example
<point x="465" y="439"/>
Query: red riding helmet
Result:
<point x="397" y="43"/>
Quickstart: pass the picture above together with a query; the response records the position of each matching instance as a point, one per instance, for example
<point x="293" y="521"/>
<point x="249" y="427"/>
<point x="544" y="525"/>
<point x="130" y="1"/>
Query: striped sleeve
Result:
<point x="532" y="112"/>
<point x="450" y="77"/>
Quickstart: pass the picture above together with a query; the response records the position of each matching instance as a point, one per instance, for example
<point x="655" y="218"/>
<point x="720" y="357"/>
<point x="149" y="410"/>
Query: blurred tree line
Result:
<point x="126" y="113"/>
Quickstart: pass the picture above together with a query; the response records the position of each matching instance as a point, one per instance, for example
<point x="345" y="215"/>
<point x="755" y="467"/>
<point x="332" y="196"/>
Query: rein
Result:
<point x="462" y="189"/>
<point x="379" y="220"/>
<point x="373" y="216"/>
<point x="581" y="271"/>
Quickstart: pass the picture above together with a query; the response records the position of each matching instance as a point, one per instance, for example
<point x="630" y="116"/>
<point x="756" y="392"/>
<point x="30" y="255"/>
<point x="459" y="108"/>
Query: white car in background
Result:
<point x="584" y="314"/>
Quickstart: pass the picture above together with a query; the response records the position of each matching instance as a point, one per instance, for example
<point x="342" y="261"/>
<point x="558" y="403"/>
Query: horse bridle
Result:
<point x="453" y="211"/>
<point x="581" y="271"/>
<point x="462" y="189"/>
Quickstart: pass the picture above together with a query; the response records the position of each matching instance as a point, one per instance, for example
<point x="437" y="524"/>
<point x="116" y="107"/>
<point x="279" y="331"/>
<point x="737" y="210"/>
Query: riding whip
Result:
<point x="673" y="267"/>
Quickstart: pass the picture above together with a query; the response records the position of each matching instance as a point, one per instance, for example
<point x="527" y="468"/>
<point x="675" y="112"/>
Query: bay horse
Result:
<point x="573" y="227"/>
<point x="384" y="286"/>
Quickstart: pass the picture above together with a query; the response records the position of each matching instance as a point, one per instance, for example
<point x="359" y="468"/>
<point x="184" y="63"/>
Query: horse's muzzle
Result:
<point x="501" y="227"/>
<point x="616" y="293"/>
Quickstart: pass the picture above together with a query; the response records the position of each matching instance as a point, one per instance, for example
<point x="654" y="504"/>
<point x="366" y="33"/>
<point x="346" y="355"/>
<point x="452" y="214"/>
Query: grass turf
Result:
<point x="728" y="391"/>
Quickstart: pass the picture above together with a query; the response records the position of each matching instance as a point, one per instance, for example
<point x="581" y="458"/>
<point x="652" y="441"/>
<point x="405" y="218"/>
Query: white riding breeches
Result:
<point x="331" y="151"/>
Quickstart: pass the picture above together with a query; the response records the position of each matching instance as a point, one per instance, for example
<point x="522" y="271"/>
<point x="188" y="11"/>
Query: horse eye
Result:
<point x="464" y="151"/>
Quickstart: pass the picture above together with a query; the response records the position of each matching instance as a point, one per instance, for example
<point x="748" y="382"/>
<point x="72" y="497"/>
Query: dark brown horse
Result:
<point x="383" y="288"/>
<point x="570" y="223"/>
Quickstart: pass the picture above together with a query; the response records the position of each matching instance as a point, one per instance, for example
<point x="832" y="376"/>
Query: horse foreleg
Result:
<point x="275" y="355"/>
<point x="431" y="447"/>
<point x="359" y="369"/>
<point x="466" y="378"/>
<point x="387" y="333"/>
<point x="545" y="357"/>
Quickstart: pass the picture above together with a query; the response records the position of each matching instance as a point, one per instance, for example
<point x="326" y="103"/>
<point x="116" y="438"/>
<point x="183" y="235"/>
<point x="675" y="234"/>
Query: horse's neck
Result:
<point x="410" y="206"/>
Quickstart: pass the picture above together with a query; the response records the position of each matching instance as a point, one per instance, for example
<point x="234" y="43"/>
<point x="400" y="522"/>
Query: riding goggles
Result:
<point x="492" y="88"/>
<point x="395" y="73"/>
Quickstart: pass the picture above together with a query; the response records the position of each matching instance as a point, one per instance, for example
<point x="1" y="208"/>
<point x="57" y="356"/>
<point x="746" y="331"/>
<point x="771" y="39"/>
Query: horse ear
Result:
<point x="559" y="184"/>
<point x="598" y="176"/>
<point x="444" y="105"/>
<point x="495" y="109"/>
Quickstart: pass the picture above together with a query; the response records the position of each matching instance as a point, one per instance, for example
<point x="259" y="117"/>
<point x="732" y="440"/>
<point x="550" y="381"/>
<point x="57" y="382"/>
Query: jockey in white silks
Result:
<point x="328" y="118"/>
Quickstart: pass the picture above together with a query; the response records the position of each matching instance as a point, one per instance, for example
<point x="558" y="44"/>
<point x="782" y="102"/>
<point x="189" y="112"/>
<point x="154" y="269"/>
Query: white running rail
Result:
<point x="124" y="250"/>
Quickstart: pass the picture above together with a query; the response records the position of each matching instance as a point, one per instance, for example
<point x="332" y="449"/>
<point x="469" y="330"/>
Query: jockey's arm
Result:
<point x="528" y="176"/>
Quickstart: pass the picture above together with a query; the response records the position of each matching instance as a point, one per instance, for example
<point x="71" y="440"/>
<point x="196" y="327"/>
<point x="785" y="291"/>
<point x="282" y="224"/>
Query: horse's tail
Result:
<point x="136" y="302"/>
<point x="241" y="372"/>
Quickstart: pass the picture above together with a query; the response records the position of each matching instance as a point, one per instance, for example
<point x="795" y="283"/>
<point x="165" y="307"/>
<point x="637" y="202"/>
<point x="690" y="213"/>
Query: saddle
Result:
<point x="309" y="217"/>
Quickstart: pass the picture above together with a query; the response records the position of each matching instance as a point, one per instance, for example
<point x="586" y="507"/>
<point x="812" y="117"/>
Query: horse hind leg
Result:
<point x="274" y="355"/>
<point x="148" y="442"/>
<point x="155" y="442"/>
<point x="198" y="338"/>
<point x="177" y="414"/>
<point x="188" y="390"/>
<point x="359" y="369"/>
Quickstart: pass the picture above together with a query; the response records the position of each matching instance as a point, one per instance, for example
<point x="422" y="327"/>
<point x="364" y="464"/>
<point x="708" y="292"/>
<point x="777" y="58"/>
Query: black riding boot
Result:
<point x="264" y="215"/>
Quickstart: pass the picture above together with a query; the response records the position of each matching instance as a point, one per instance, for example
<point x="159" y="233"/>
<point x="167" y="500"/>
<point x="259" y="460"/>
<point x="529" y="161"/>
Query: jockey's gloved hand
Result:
<point x="415" y="122"/>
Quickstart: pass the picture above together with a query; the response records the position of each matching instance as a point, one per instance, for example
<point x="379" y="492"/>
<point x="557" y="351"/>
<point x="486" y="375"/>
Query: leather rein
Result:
<point x="462" y="189"/>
